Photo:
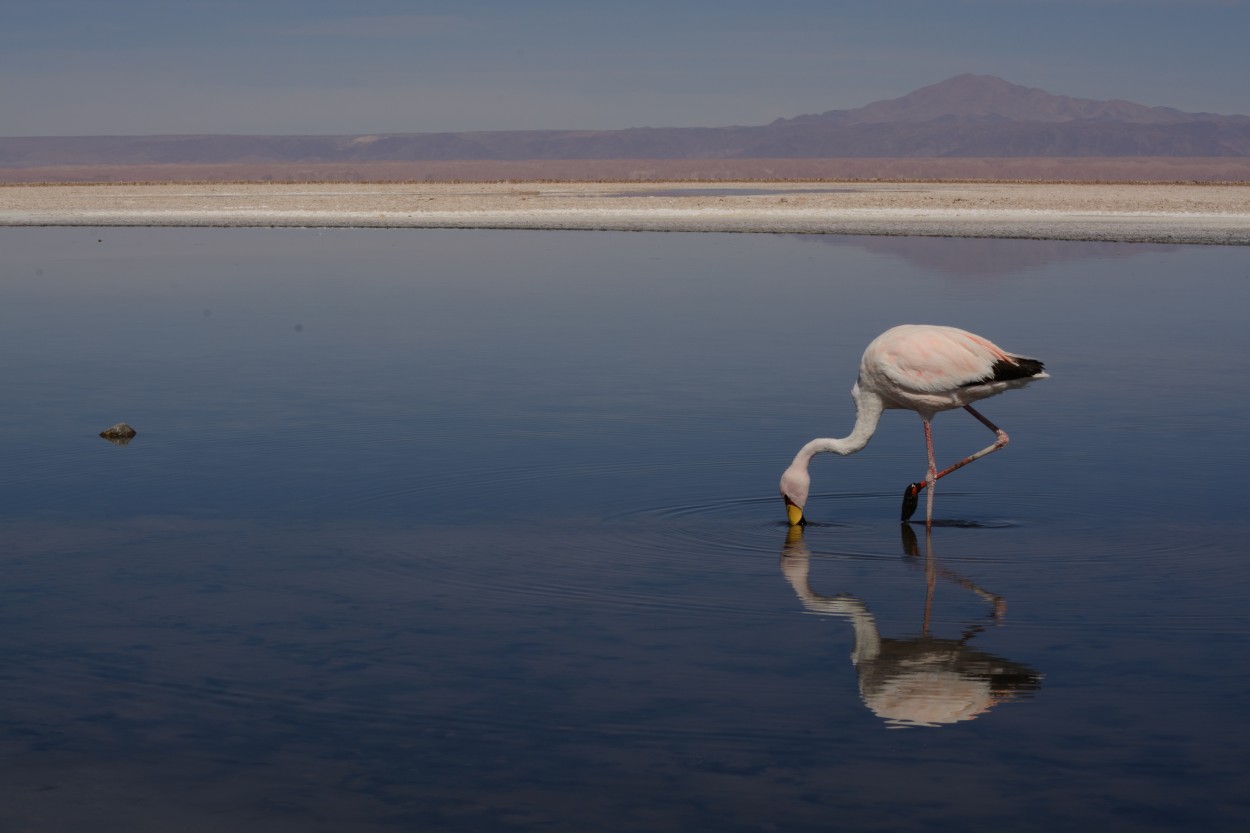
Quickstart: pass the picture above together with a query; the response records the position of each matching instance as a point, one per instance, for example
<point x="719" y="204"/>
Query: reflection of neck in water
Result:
<point x="923" y="680"/>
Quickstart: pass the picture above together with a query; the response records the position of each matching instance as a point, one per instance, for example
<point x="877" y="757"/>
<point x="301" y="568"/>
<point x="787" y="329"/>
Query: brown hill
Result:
<point x="897" y="169"/>
<point x="963" y="117"/>
<point x="984" y="98"/>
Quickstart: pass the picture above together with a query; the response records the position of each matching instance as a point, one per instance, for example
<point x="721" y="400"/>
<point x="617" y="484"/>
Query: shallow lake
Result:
<point x="479" y="531"/>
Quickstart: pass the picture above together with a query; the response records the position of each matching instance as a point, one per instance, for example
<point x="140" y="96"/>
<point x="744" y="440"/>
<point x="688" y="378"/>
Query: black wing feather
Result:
<point x="1004" y="370"/>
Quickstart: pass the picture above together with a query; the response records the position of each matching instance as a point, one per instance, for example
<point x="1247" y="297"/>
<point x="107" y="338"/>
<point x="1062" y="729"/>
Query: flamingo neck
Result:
<point x="868" y="639"/>
<point x="868" y="408"/>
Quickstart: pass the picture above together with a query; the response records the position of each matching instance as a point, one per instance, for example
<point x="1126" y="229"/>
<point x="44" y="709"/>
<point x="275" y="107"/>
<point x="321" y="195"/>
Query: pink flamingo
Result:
<point x="926" y="369"/>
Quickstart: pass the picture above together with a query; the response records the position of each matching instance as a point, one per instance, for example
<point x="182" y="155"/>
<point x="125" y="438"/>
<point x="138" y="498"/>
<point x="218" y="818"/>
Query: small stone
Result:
<point x="120" y="431"/>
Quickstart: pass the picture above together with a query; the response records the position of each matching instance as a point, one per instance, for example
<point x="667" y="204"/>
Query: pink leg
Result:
<point x="912" y="493"/>
<point x="932" y="475"/>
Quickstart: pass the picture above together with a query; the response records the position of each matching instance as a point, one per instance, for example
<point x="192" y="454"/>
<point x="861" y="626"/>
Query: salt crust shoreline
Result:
<point x="1148" y="212"/>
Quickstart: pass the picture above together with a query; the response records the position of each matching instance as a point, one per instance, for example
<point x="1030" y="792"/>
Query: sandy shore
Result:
<point x="1161" y="213"/>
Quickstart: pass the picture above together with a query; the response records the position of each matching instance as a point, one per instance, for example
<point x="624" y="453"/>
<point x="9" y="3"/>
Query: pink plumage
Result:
<point x="926" y="369"/>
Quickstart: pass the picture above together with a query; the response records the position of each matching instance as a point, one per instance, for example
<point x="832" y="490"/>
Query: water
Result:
<point x="478" y="530"/>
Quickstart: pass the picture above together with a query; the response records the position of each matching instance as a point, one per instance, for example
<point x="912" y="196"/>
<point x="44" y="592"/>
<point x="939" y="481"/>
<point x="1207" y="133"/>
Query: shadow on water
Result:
<point x="922" y="680"/>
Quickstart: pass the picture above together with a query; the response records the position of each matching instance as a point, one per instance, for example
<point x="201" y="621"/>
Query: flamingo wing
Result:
<point x="932" y="360"/>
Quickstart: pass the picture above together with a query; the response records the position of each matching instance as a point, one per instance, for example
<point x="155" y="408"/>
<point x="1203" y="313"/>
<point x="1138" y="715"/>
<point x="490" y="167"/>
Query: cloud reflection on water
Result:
<point x="978" y="259"/>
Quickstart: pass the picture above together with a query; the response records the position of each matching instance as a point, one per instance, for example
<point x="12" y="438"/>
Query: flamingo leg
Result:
<point x="912" y="493"/>
<point x="931" y="475"/>
<point x="911" y="547"/>
<point x="930" y="579"/>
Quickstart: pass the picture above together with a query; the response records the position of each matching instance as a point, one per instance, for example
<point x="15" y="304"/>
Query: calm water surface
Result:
<point x="478" y="530"/>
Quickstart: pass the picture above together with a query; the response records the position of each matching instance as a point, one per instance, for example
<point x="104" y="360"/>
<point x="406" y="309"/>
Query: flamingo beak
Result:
<point x="794" y="512"/>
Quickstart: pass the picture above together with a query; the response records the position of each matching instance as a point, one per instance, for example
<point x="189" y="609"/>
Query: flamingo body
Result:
<point x="927" y="368"/>
<point x="922" y="368"/>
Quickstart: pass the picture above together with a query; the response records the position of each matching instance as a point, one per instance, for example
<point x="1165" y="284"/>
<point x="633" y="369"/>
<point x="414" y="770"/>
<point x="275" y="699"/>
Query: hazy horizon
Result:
<point x="102" y="67"/>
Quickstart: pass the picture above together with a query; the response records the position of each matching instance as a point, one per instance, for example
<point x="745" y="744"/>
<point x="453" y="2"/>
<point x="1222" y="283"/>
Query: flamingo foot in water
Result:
<point x="911" y="499"/>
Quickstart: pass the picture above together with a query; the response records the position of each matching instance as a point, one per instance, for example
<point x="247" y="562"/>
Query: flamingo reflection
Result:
<point x="921" y="680"/>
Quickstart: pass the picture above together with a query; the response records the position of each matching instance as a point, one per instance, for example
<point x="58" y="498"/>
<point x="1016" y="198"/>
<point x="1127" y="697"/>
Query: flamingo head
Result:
<point x="795" y="484"/>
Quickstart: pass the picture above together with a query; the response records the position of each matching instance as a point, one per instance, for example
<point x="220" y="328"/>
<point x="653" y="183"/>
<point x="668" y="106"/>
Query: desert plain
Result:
<point x="1145" y="212"/>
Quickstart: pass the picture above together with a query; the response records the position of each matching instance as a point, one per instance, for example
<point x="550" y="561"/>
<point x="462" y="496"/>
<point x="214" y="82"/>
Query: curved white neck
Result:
<point x="868" y="408"/>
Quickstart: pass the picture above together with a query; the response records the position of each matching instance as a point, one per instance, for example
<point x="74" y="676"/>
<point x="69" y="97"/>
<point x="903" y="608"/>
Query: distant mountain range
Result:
<point x="964" y="116"/>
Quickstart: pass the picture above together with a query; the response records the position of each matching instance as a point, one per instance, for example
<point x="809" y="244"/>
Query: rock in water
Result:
<point x="120" y="431"/>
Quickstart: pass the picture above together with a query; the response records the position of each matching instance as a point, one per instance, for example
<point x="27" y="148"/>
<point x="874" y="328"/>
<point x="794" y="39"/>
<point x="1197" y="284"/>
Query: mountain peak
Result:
<point x="987" y="98"/>
<point x="965" y="116"/>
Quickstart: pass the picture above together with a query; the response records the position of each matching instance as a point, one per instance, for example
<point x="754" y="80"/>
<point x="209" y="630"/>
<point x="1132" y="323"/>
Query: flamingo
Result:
<point x="923" y="368"/>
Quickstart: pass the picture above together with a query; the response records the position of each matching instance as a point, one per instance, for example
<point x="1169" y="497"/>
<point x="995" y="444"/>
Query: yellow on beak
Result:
<point x="794" y="513"/>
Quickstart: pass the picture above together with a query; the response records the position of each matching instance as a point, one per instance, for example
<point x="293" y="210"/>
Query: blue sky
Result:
<point x="74" y="67"/>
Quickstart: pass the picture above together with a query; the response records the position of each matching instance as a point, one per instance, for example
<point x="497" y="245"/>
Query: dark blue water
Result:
<point x="478" y="530"/>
